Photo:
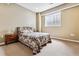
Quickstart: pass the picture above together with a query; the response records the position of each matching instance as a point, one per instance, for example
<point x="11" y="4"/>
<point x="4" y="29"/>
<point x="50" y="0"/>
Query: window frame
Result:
<point x="53" y="25"/>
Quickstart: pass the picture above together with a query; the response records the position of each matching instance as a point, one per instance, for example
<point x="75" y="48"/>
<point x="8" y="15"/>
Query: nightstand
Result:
<point x="10" y="38"/>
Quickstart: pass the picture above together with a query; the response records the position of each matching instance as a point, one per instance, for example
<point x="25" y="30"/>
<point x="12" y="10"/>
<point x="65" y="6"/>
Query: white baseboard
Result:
<point x="70" y="40"/>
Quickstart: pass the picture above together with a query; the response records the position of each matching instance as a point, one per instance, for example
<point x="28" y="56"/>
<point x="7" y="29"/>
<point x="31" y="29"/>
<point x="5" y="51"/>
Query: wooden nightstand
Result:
<point x="9" y="38"/>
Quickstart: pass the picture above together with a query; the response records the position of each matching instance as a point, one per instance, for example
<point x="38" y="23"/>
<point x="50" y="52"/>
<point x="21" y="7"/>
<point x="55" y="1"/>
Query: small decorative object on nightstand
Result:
<point x="9" y="38"/>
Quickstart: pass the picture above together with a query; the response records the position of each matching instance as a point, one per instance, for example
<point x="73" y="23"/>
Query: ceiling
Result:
<point x="39" y="7"/>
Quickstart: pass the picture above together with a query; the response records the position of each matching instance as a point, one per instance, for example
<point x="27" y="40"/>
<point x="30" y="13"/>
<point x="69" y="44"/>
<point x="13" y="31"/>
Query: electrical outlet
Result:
<point x="72" y="34"/>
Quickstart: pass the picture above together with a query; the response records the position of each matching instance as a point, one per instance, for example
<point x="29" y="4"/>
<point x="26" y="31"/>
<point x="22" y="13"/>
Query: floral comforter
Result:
<point x="34" y="40"/>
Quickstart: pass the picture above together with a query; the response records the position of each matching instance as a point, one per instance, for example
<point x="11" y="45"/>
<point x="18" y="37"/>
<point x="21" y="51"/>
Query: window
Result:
<point x="53" y="19"/>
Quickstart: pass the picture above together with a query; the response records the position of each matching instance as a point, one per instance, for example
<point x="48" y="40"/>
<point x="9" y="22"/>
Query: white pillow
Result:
<point x="25" y="31"/>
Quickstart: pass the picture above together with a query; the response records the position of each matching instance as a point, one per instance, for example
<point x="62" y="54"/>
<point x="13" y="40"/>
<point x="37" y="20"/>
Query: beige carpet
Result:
<point x="15" y="49"/>
<point x="56" y="48"/>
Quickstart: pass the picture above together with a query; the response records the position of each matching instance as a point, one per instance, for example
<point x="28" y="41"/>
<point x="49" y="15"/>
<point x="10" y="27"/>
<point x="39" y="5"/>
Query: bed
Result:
<point x="32" y="39"/>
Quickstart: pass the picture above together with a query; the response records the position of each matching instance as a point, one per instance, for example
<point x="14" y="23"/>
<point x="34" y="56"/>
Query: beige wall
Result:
<point x="13" y="15"/>
<point x="37" y="21"/>
<point x="70" y="24"/>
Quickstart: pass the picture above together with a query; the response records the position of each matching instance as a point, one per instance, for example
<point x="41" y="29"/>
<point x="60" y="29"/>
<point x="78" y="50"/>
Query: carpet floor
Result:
<point x="56" y="48"/>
